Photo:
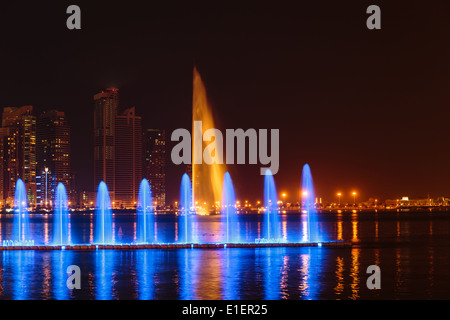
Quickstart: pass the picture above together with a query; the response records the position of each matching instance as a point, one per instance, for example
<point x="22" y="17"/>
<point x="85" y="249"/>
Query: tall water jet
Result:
<point x="229" y="215"/>
<point x="271" y="217"/>
<point x="146" y="215"/>
<point x="103" y="216"/>
<point x="185" y="217"/>
<point x="206" y="178"/>
<point x="308" y="204"/>
<point x="20" y="223"/>
<point x="61" y="233"/>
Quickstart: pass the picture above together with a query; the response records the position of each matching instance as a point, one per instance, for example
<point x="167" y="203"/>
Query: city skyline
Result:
<point x="149" y="161"/>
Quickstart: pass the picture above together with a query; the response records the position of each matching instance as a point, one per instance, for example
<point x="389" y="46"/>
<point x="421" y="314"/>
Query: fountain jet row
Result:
<point x="61" y="232"/>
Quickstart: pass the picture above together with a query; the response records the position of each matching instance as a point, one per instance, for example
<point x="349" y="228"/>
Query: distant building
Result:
<point x="155" y="164"/>
<point x="4" y="133"/>
<point x="18" y="142"/>
<point x="128" y="158"/>
<point x="86" y="199"/>
<point x="105" y="112"/>
<point x="53" y="156"/>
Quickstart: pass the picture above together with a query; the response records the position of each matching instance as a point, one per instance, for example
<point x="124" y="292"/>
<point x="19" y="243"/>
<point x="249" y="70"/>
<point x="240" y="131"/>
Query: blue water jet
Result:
<point x="61" y="232"/>
<point x="146" y="215"/>
<point x="21" y="227"/>
<point x="308" y="204"/>
<point x="103" y="215"/>
<point x="185" y="216"/>
<point x="230" y="219"/>
<point x="272" y="230"/>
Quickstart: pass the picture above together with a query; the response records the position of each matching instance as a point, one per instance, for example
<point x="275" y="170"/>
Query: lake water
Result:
<point x="411" y="249"/>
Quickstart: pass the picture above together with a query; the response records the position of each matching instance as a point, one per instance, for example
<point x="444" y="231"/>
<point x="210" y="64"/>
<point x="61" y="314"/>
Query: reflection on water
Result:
<point x="354" y="273"/>
<point x="355" y="227"/>
<point x="412" y="255"/>
<point x="339" y="277"/>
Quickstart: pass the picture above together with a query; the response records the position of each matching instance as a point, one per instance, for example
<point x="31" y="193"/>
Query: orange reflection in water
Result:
<point x="48" y="277"/>
<point x="304" y="271"/>
<point x="339" y="276"/>
<point x="305" y="231"/>
<point x="376" y="230"/>
<point x="46" y="235"/>
<point x="284" y="230"/>
<point x="354" y="273"/>
<point x="91" y="230"/>
<point x="431" y="270"/>
<point x="355" y="227"/>
<point x="399" y="282"/>
<point x="339" y="231"/>
<point x="208" y="277"/>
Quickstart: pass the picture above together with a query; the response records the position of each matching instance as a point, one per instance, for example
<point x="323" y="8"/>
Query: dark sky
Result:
<point x="368" y="110"/>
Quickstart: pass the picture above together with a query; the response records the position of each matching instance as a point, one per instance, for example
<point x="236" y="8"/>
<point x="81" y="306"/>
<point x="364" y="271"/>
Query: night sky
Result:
<point x="367" y="109"/>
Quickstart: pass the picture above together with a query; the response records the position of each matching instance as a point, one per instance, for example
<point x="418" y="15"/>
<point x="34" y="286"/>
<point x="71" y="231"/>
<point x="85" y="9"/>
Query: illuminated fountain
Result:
<point x="308" y="205"/>
<point x="229" y="215"/>
<point x="206" y="179"/>
<point x="21" y="228"/>
<point x="61" y="234"/>
<point x="185" y="217"/>
<point x="145" y="214"/>
<point x="271" y="230"/>
<point x="103" y="216"/>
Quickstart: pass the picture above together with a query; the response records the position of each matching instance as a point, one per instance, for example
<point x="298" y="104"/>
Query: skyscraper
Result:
<point x="19" y="152"/>
<point x="4" y="133"/>
<point x="105" y="112"/>
<point x="128" y="158"/>
<point x="53" y="155"/>
<point x="154" y="164"/>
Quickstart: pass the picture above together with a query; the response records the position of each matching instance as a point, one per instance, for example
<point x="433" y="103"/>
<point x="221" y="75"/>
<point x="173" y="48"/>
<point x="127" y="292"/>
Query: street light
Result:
<point x="354" y="197"/>
<point x="339" y="195"/>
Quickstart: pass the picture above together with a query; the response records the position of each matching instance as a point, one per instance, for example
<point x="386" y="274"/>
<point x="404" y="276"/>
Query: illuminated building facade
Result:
<point x="105" y="112"/>
<point x="18" y="152"/>
<point x="155" y="163"/>
<point x="128" y="158"/>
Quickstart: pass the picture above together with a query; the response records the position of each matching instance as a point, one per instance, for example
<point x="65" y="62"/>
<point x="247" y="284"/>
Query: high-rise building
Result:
<point x="128" y="158"/>
<point x="19" y="152"/>
<point x="105" y="112"/>
<point x="53" y="156"/>
<point x="155" y="163"/>
<point x="4" y="133"/>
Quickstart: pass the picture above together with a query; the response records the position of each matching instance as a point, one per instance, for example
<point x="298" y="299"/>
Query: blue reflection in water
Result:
<point x="60" y="262"/>
<point x="187" y="290"/>
<point x="273" y="260"/>
<point x="104" y="277"/>
<point x="310" y="270"/>
<point x="20" y="268"/>
<point x="231" y="276"/>
<point x="145" y="270"/>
